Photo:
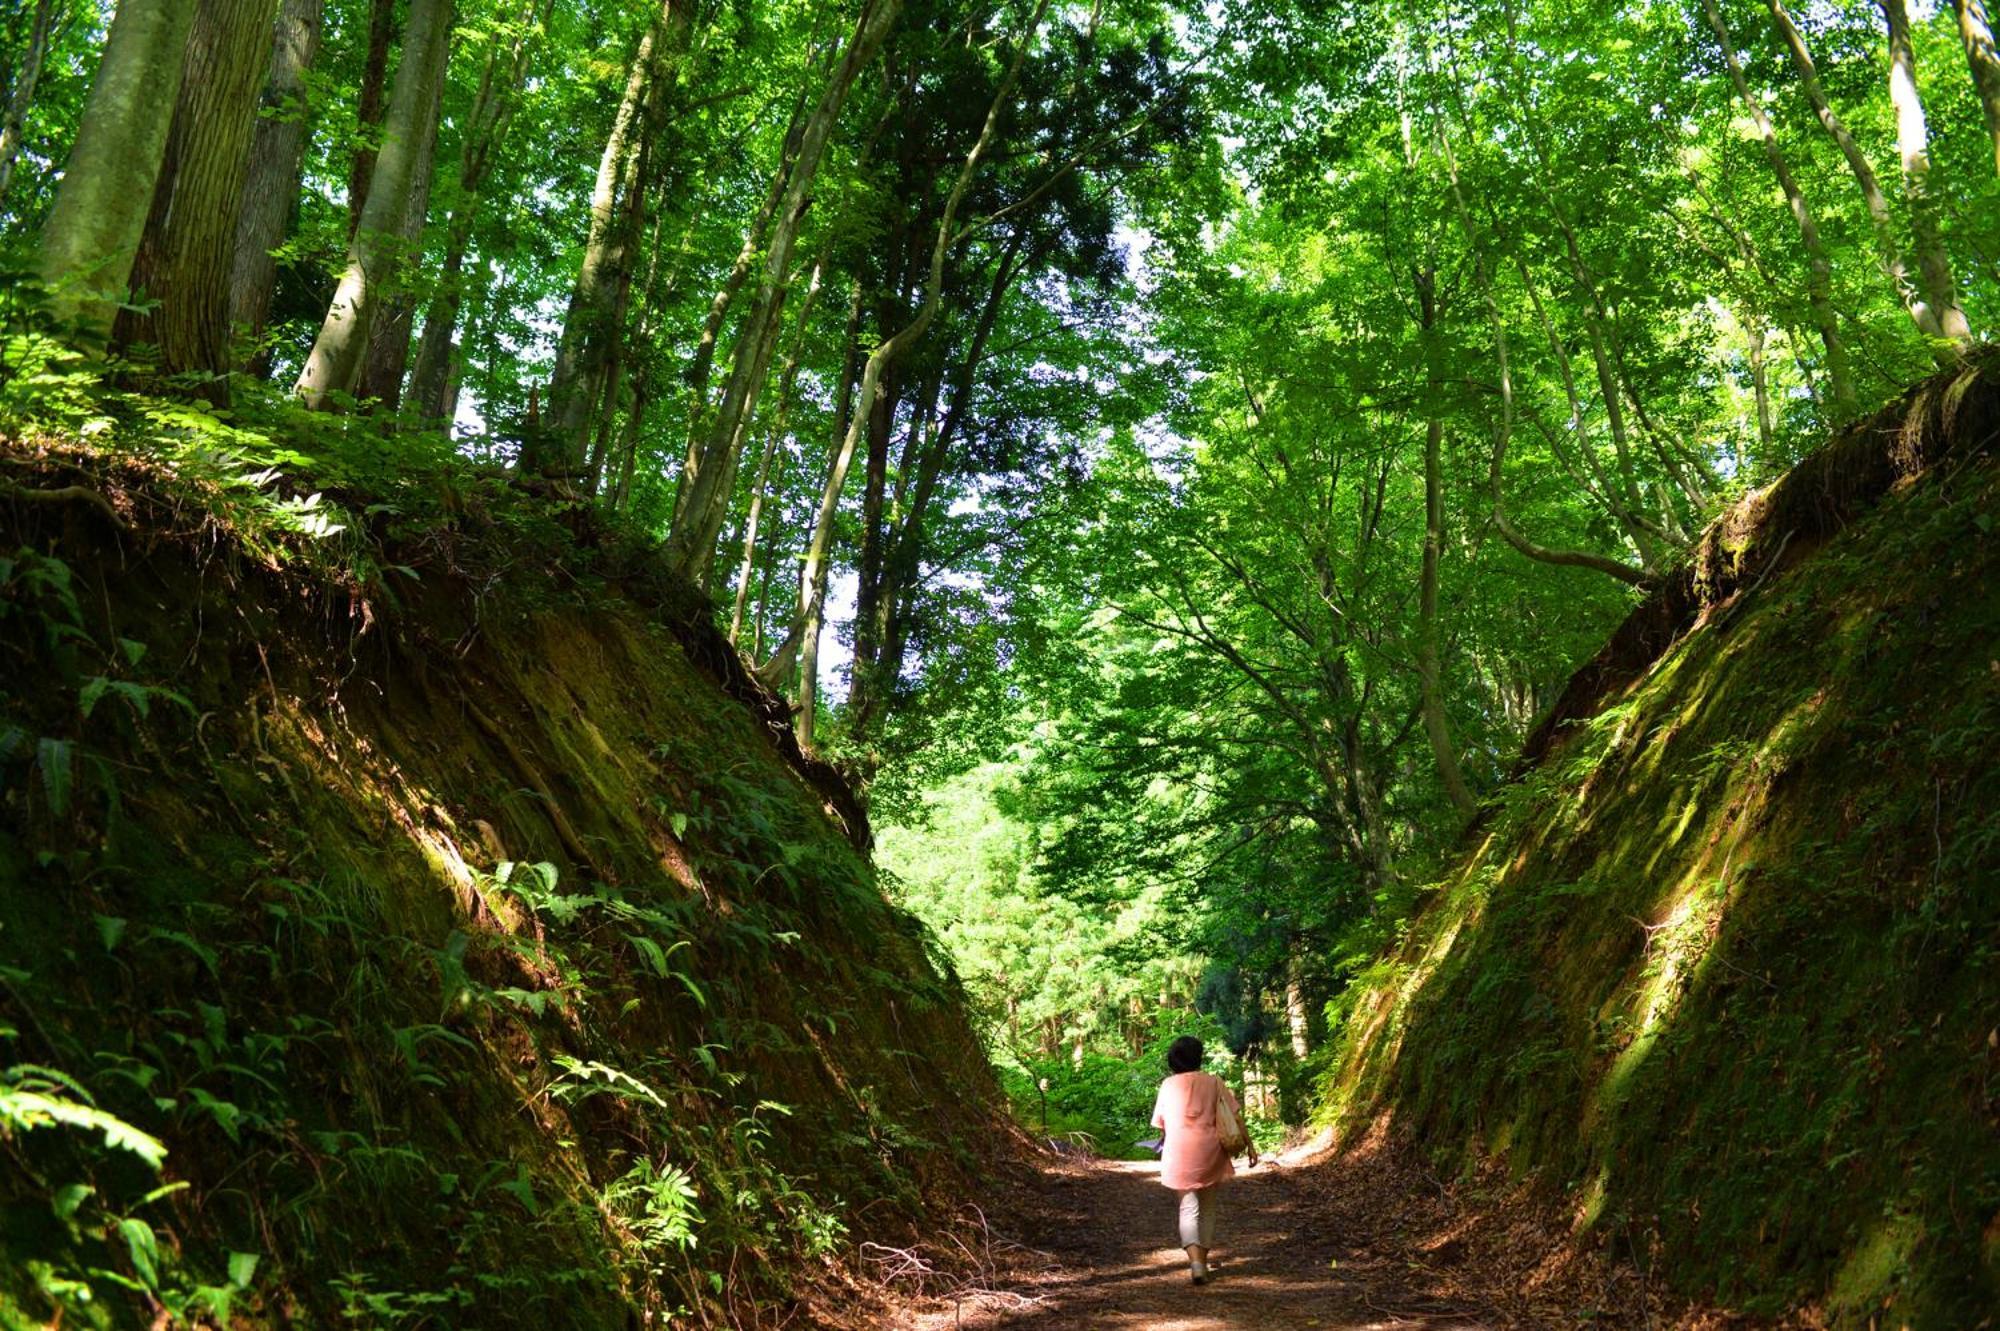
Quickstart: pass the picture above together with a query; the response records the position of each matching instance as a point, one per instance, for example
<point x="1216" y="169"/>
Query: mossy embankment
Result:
<point x="1723" y="965"/>
<point x="450" y="905"/>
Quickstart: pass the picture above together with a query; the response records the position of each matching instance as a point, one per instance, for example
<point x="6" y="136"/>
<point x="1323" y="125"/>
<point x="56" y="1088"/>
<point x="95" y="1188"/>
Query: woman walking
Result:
<point x="1194" y="1156"/>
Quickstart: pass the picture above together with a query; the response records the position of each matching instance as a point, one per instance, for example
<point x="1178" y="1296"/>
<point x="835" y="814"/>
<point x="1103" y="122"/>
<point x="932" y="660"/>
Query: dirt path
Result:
<point x="1288" y="1258"/>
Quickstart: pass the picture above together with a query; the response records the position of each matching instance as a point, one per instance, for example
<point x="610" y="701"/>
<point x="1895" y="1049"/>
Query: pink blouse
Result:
<point x="1192" y="1156"/>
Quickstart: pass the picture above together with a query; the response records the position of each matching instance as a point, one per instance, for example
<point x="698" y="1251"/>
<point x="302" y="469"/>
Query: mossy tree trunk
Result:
<point x="334" y="364"/>
<point x="93" y="232"/>
<point x="1819" y="280"/>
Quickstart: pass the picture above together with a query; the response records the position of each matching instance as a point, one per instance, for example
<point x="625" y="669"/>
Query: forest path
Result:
<point x="1292" y="1253"/>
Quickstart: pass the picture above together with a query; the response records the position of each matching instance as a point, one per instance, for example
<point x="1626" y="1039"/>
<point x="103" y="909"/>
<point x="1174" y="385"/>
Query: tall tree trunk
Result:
<point x="368" y="107"/>
<point x="709" y="484"/>
<point x="1819" y="286"/>
<point x="774" y="437"/>
<point x="388" y="353"/>
<point x="334" y="364"/>
<point x="804" y="636"/>
<point x="902" y="563"/>
<point x="702" y="366"/>
<point x="92" y="235"/>
<point x="1888" y="252"/>
<point x="271" y="181"/>
<point x="590" y="329"/>
<point x="1913" y="144"/>
<point x="1976" y="30"/>
<point x="493" y="108"/>
<point x="184" y="256"/>
<point x="1429" y="670"/>
<point x="22" y="95"/>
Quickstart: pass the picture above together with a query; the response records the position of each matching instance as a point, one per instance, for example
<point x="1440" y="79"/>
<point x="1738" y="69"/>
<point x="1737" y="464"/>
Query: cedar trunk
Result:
<point x="184" y="258"/>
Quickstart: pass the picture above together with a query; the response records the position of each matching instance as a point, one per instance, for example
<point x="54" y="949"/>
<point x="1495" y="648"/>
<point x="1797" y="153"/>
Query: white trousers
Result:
<point x="1198" y="1217"/>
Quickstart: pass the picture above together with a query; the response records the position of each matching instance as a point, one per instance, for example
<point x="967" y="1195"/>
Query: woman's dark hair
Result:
<point x="1184" y="1055"/>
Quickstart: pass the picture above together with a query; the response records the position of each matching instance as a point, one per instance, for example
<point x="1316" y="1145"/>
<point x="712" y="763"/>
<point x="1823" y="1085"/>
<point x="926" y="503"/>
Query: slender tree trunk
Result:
<point x="93" y="232"/>
<point x="40" y="36"/>
<point x="1760" y="384"/>
<point x="774" y="437"/>
<point x="1819" y="287"/>
<point x="1940" y="305"/>
<point x="1888" y="252"/>
<point x="388" y="353"/>
<point x="492" y="112"/>
<point x="1976" y="30"/>
<point x="804" y="636"/>
<point x="1429" y="669"/>
<point x="184" y="256"/>
<point x="334" y="364"/>
<point x="902" y="563"/>
<point x="271" y="182"/>
<point x="709" y="483"/>
<point x="702" y="367"/>
<point x="591" y="328"/>
<point x="368" y="107"/>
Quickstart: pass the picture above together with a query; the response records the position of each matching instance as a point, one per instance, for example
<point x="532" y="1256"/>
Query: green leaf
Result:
<point x="110" y="928"/>
<point x="242" y="1268"/>
<point x="134" y="650"/>
<point x="57" y="759"/>
<point x="144" y="1247"/>
<point x="93" y="690"/>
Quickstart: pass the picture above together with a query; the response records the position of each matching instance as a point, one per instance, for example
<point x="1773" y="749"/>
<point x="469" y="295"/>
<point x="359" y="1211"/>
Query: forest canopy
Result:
<point x="1181" y="447"/>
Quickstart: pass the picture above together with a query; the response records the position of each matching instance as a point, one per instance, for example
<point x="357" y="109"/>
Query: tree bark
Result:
<point x="1940" y="307"/>
<point x="804" y="636"/>
<point x="388" y="353"/>
<point x="271" y="181"/>
<point x="492" y="112"/>
<point x="1503" y="429"/>
<point x="1819" y="287"/>
<point x="591" y="327"/>
<point x="92" y="235"/>
<point x="1976" y="31"/>
<point x="40" y="35"/>
<point x="708" y="484"/>
<point x="1436" y="725"/>
<point x="368" y="107"/>
<point x="184" y="257"/>
<point x="774" y="436"/>
<point x="334" y="364"/>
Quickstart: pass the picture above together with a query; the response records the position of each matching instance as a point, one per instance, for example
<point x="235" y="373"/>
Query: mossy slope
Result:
<point x="268" y="923"/>
<point x="1724" y="965"/>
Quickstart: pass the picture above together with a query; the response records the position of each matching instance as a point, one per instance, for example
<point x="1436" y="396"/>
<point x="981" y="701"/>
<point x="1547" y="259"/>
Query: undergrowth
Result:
<point x="398" y="924"/>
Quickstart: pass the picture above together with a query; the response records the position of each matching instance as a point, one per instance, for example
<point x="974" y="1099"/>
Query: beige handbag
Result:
<point x="1229" y="1128"/>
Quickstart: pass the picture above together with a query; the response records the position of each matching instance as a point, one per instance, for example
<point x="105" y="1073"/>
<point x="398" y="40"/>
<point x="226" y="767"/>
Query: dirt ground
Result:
<point x="1362" y="1239"/>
